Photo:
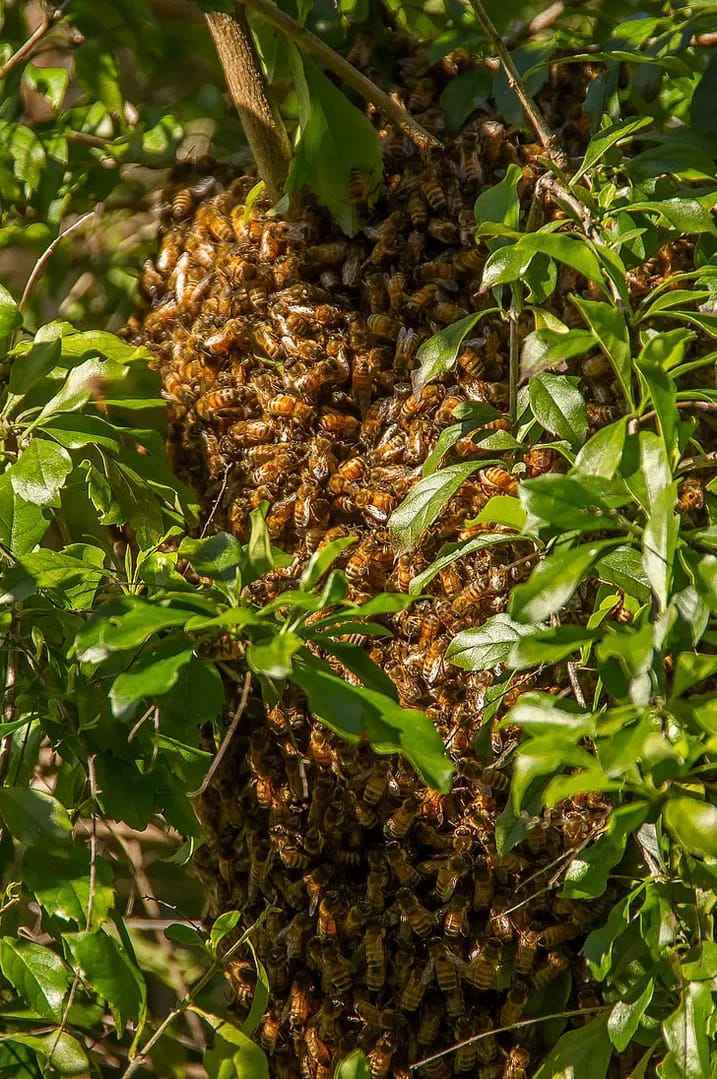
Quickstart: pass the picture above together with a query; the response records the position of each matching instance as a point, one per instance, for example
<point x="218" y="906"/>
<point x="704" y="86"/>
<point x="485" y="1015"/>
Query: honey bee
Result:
<point x="528" y="939"/>
<point x="470" y="167"/>
<point x="326" y="924"/>
<point x="376" y="882"/>
<point x="466" y="1056"/>
<point x="495" y="779"/>
<point x="321" y="749"/>
<point x="421" y="300"/>
<point x="231" y="335"/>
<point x="499" y="924"/>
<point x="269" y="1032"/>
<point x="413" y="913"/>
<point x="328" y="253"/>
<point x="242" y="978"/>
<point x="337" y="967"/>
<point x="449" y="875"/>
<point x="383" y="326"/>
<point x="356" y="918"/>
<point x="430" y="1021"/>
<point x="379" y="1059"/>
<point x="296" y="932"/>
<point x="318" y="1051"/>
<point x="358" y="190"/>
<point x="361" y="381"/>
<point x="182" y="204"/>
<point x="433" y="193"/>
<point x="557" y="934"/>
<point x="497" y="480"/>
<point x="554" y="965"/>
<point x="351" y="269"/>
<point x="445" y="965"/>
<point x="512" y="1010"/>
<point x="299" y="1006"/>
<point x="399" y="823"/>
<point x="448" y="312"/>
<point x="376" y="505"/>
<point x="456" y="922"/>
<point x="481" y="970"/>
<point x="375" y="958"/>
<point x="339" y="424"/>
<point x="690" y="495"/>
<point x="516" y="1063"/>
<point x="437" y="1069"/>
<point x="406" y="875"/>
<point x="287" y="849"/>
<point x="432" y="667"/>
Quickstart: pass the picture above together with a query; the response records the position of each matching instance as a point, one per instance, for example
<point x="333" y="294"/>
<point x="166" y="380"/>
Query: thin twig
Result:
<point x="8" y="709"/>
<point x="506" y="1030"/>
<point x="346" y="71"/>
<point x="543" y="21"/>
<point x="217" y="500"/>
<point x="48" y="21"/>
<point x="575" y="683"/>
<point x="688" y="406"/>
<point x="514" y="358"/>
<point x="547" y="137"/>
<point x="49" y="251"/>
<point x="226" y="740"/>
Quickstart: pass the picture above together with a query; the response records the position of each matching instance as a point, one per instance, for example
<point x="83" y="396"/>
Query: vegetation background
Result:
<point x="112" y="661"/>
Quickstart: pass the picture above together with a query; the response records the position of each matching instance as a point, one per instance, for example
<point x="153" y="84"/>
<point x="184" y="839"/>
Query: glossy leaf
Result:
<point x="585" y="1052"/>
<point x="426" y="500"/>
<point x="692" y="823"/>
<point x="455" y="552"/>
<point x="60" y="881"/>
<point x="354" y="1066"/>
<point x="552" y="583"/>
<point x="438" y="354"/>
<point x="559" y="406"/>
<point x="625" y="1018"/>
<point x="485" y="647"/>
<point x="34" y="817"/>
<point x="112" y="973"/>
<point x="611" y="332"/>
<point x="603" y="140"/>
<point x="659" y="541"/>
<point x="38" y="974"/>
<point x="685" y="1033"/>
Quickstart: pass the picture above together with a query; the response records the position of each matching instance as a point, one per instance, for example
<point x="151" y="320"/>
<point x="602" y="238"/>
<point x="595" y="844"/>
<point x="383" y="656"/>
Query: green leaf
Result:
<point x="548" y="646"/>
<point x="559" y="407"/>
<point x="322" y="560"/>
<point x="354" y="1066"/>
<point x="153" y="674"/>
<point x="75" y="432"/>
<point x="34" y="817"/>
<point x="686" y="1037"/>
<point x="223" y="925"/>
<point x="611" y="332"/>
<point x="336" y="138"/>
<point x="112" y="974"/>
<point x="588" y="872"/>
<point x="484" y="648"/>
<point x="426" y="500"/>
<point x="454" y="552"/>
<point x="38" y="974"/>
<point x="500" y="204"/>
<point x="356" y="660"/>
<point x="10" y="317"/>
<point x="362" y="715"/>
<point x="663" y="392"/>
<point x="692" y="823"/>
<point x="601" y="454"/>
<point x="502" y="510"/>
<point x="511" y="262"/>
<point x="623" y="568"/>
<point x="260" y="1000"/>
<point x="274" y="658"/>
<point x="659" y="542"/>
<point x="123" y="791"/>
<point x="549" y="348"/>
<point x="233" y="1055"/>
<point x="60" y="882"/>
<point x="63" y="1053"/>
<point x="51" y="82"/>
<point x="573" y="502"/>
<point x="691" y="668"/>
<point x="184" y="934"/>
<point x="40" y="473"/>
<point x="28" y="369"/>
<point x="438" y="354"/>
<point x="552" y="583"/>
<point x="218" y="557"/>
<point x="585" y="1053"/>
<point x="22" y="523"/>
<point x="604" y="139"/>
<point x="544" y="714"/>
<point x="259" y="554"/>
<point x="625" y="1018"/>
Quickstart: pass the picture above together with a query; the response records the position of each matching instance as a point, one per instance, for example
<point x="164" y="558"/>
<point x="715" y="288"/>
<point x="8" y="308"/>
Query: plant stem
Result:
<point x="259" y="116"/>
<point x="46" y="255"/>
<point x="393" y="110"/>
<point x="547" y="137"/>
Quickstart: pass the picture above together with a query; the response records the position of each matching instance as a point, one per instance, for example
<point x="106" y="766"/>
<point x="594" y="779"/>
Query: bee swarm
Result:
<point x="286" y="351"/>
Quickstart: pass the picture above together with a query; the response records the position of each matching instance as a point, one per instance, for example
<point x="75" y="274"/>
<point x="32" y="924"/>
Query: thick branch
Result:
<point x="262" y="124"/>
<point x="393" y="110"/>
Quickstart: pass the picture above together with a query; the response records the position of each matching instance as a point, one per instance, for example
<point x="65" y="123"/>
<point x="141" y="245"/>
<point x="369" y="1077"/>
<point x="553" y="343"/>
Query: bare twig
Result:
<point x="505" y="1030"/>
<point x="543" y="21"/>
<point x="226" y="740"/>
<point x="687" y="406"/>
<point x="393" y="110"/>
<point x="217" y="500"/>
<point x="514" y="358"/>
<point x="39" y="267"/>
<point x="575" y="683"/>
<point x="48" y="21"/>
<point x="8" y="709"/>
<point x="546" y="137"/>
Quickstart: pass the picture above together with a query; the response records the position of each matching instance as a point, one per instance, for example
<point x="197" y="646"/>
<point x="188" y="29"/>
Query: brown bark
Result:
<point x="262" y="124"/>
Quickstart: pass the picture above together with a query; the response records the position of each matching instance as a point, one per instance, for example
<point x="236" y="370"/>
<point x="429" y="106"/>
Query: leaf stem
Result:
<point x="354" y="78"/>
<point x="547" y="137"/>
<point x="49" y="251"/>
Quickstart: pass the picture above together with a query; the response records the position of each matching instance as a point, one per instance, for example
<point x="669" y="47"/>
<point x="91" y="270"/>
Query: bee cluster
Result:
<point x="286" y="352"/>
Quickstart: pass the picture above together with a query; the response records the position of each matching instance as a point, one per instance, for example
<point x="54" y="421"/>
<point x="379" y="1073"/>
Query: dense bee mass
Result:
<point x="286" y="351"/>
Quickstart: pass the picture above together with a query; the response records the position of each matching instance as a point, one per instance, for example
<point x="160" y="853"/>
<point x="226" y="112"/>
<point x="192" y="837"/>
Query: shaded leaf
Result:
<point x="426" y="500"/>
<point x="112" y="974"/>
<point x="34" y="817"/>
<point x="39" y="975"/>
<point x="559" y="406"/>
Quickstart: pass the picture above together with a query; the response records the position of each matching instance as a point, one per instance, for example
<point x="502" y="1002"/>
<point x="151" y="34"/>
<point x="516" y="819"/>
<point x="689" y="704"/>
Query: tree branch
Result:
<point x="260" y="119"/>
<point x="547" y="137"/>
<point x="346" y="71"/>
